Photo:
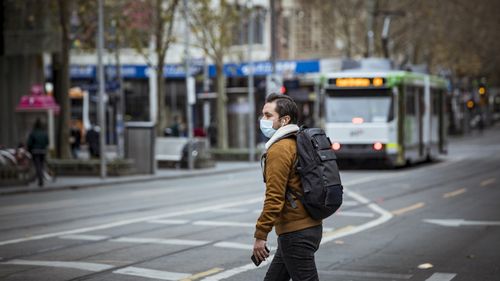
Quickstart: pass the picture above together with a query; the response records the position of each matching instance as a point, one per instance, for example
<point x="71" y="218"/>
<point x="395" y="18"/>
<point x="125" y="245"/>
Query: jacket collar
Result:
<point x="280" y="133"/>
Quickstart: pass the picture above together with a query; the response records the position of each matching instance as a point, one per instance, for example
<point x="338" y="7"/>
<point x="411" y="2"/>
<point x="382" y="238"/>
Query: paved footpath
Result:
<point x="161" y="174"/>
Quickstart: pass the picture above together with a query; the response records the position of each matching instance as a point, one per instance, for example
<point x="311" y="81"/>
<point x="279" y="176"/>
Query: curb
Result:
<point x="22" y="190"/>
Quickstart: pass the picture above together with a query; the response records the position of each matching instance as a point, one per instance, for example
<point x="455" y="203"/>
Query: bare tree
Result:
<point x="213" y="26"/>
<point x="146" y="20"/>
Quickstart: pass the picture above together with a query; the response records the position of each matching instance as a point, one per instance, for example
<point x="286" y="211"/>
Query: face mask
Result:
<point x="266" y="127"/>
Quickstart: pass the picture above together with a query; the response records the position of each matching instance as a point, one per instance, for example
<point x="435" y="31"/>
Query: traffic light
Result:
<point x="470" y="104"/>
<point x="482" y="90"/>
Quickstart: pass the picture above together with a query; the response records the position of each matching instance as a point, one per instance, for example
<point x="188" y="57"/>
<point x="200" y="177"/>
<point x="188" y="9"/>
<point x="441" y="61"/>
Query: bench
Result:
<point x="169" y="149"/>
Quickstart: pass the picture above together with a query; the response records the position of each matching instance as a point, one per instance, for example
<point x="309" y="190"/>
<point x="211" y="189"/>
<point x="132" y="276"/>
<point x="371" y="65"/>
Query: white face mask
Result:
<point x="266" y="127"/>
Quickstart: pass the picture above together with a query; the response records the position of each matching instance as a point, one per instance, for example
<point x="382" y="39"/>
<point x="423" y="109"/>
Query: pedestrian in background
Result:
<point x="299" y="235"/>
<point x="38" y="141"/>
<point x="75" y="138"/>
<point x="92" y="139"/>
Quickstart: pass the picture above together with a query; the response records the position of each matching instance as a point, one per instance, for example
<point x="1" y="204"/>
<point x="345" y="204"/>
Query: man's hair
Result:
<point x="285" y="105"/>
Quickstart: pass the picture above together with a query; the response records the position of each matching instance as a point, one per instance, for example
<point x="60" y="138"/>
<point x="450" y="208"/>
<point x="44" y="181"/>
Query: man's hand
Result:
<point x="259" y="250"/>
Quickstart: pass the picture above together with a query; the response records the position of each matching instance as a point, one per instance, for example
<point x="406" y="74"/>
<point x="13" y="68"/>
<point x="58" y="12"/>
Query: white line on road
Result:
<point x="152" y="273"/>
<point x="170" y="221"/>
<point x="85" y="237"/>
<point x="224" y="223"/>
<point x="234" y="245"/>
<point x="378" y="275"/>
<point x="231" y="210"/>
<point x="160" y="241"/>
<point x="461" y="222"/>
<point x="441" y="276"/>
<point x="354" y="214"/>
<point x="66" y="264"/>
<point x="234" y="203"/>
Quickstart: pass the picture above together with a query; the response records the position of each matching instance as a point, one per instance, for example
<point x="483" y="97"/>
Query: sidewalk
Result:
<point x="161" y="174"/>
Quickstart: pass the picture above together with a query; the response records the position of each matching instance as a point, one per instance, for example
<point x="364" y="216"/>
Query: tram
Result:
<point x="398" y="117"/>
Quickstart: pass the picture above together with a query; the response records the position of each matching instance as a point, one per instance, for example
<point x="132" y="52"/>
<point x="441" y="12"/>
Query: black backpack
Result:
<point x="319" y="174"/>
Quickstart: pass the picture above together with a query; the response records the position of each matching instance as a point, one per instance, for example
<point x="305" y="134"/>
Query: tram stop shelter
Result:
<point x="37" y="105"/>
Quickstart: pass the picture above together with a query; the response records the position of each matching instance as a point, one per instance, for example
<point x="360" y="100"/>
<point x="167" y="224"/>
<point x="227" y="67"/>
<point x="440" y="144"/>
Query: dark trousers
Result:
<point x="294" y="257"/>
<point x="39" y="161"/>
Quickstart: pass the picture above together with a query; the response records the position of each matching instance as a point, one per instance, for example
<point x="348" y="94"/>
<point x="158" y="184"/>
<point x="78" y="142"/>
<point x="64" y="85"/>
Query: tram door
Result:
<point x="420" y="119"/>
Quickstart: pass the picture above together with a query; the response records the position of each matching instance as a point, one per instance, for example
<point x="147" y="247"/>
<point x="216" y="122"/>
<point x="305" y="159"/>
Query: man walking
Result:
<point x="299" y="235"/>
<point x="38" y="141"/>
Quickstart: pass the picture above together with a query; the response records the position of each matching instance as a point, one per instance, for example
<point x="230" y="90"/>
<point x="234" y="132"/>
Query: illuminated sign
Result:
<point x="358" y="82"/>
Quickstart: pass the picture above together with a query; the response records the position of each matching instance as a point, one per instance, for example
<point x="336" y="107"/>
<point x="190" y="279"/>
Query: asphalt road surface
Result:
<point x="437" y="221"/>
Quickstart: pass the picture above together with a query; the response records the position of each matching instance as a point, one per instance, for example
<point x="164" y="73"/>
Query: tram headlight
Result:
<point x="336" y="146"/>
<point x="378" y="146"/>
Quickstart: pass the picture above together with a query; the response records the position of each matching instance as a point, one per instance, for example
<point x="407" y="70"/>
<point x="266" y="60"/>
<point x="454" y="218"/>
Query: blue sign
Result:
<point x="261" y="68"/>
<point x="264" y="68"/>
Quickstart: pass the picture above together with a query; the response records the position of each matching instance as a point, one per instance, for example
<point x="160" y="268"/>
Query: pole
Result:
<point x="189" y="89"/>
<point x="121" y="102"/>
<point x="251" y="98"/>
<point x="273" y="35"/>
<point x="101" y="116"/>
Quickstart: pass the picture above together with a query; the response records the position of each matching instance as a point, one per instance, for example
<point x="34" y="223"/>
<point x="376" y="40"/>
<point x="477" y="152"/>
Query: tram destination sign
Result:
<point x="358" y="82"/>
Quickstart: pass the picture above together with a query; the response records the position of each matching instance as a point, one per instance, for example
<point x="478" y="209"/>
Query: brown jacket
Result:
<point x="280" y="174"/>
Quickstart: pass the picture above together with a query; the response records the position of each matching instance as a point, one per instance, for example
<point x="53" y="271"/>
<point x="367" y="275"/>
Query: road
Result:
<point x="436" y="222"/>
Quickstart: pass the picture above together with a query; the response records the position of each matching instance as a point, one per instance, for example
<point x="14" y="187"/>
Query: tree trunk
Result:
<point x="62" y="83"/>
<point x="161" y="123"/>
<point x="222" y="139"/>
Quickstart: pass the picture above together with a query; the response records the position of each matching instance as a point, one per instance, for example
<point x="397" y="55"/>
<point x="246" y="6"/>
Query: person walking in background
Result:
<point x="299" y="235"/>
<point x="38" y="141"/>
<point x="92" y="139"/>
<point x="75" y="138"/>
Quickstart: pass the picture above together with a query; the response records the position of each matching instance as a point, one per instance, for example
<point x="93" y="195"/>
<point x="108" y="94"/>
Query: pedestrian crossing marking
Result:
<point x="224" y="223"/>
<point x="170" y="221"/>
<point x="152" y="273"/>
<point x="84" y="237"/>
<point x="234" y="245"/>
<point x="88" y="266"/>
<point x="161" y="241"/>
<point x="438" y="276"/>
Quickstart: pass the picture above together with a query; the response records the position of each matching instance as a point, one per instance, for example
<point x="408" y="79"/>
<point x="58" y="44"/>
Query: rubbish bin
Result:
<point x="140" y="146"/>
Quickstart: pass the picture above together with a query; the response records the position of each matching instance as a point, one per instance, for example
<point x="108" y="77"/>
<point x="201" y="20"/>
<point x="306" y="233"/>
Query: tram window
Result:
<point x="343" y="106"/>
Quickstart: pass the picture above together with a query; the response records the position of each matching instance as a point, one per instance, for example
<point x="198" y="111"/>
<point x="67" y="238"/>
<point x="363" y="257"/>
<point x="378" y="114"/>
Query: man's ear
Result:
<point x="287" y="119"/>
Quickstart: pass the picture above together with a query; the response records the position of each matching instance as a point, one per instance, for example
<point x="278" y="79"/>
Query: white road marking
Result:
<point x="84" y="237"/>
<point x="441" y="276"/>
<point x="378" y="275"/>
<point x="231" y="211"/>
<point x="234" y="245"/>
<point x="384" y="217"/>
<point x="152" y="273"/>
<point x="170" y="221"/>
<point x="355" y="214"/>
<point x="224" y="223"/>
<point x="160" y="241"/>
<point x="66" y="264"/>
<point x="461" y="222"/>
<point x="234" y="203"/>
